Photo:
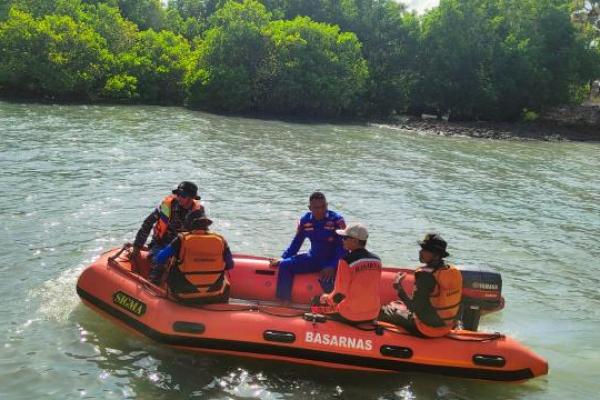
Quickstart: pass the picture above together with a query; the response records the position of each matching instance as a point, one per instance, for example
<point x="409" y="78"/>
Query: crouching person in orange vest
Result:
<point x="355" y="296"/>
<point x="432" y="311"/>
<point x="200" y="260"/>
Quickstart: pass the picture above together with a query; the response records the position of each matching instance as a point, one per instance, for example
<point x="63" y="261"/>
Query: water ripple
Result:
<point x="77" y="180"/>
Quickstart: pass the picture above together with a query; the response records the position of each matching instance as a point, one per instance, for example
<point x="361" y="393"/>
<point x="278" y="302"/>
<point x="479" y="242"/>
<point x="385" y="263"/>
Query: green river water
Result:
<point x="78" y="180"/>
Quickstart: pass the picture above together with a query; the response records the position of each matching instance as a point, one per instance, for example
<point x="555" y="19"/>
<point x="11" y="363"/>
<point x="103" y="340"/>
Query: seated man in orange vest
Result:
<point x="167" y="219"/>
<point x="355" y="296"/>
<point x="198" y="273"/>
<point x="433" y="309"/>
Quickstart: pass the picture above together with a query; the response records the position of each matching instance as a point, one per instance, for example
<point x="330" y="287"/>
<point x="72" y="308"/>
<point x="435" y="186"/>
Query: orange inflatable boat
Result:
<point x="252" y="324"/>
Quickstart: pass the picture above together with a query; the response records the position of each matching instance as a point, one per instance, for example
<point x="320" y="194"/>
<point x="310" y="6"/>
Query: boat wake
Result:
<point x="58" y="297"/>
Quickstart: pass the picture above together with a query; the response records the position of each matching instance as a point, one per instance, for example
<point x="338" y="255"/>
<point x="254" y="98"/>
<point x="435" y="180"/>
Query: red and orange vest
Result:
<point x="166" y="213"/>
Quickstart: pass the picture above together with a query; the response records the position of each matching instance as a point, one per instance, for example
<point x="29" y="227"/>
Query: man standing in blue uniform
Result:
<point x="319" y="226"/>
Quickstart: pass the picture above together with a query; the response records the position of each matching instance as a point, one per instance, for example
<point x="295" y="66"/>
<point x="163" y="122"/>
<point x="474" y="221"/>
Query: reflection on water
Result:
<point x="78" y="180"/>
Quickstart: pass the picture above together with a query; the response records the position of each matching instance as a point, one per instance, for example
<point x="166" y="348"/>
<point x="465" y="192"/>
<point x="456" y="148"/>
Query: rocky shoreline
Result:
<point x="545" y="131"/>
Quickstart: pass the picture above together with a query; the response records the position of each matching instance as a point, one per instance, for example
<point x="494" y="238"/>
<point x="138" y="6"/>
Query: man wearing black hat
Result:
<point x="167" y="219"/>
<point x="198" y="273"/>
<point x="432" y="310"/>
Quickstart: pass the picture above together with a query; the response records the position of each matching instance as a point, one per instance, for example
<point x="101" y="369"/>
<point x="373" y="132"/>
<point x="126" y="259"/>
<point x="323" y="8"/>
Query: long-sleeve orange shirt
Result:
<point x="355" y="294"/>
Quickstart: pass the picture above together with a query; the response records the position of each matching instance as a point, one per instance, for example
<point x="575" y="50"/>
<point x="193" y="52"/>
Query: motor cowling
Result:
<point x="482" y="293"/>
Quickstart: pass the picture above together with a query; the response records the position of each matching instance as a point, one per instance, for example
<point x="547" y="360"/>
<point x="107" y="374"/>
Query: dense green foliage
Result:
<point x="157" y="62"/>
<point x="223" y="74"/>
<point x="248" y="62"/>
<point x="470" y="59"/>
<point x="311" y="68"/>
<point x="54" y="55"/>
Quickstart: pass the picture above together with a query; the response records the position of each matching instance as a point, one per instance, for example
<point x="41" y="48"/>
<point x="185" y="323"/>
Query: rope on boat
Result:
<point x="254" y="307"/>
<point x="134" y="272"/>
<point x="298" y="314"/>
<point x="467" y="337"/>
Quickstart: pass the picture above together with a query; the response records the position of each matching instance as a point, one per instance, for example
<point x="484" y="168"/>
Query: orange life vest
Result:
<point x="201" y="263"/>
<point x="445" y="300"/>
<point x="165" y="214"/>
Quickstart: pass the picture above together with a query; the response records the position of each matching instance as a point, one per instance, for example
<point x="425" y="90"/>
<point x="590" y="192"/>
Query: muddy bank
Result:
<point x="545" y="130"/>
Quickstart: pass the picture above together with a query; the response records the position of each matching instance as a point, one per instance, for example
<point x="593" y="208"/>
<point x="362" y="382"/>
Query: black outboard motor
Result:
<point x="482" y="292"/>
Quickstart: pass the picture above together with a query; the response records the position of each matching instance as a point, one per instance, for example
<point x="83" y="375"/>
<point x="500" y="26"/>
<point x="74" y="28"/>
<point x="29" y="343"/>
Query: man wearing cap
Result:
<point x="167" y="218"/>
<point x="319" y="226"/>
<point x="432" y="311"/>
<point x="198" y="273"/>
<point x="355" y="296"/>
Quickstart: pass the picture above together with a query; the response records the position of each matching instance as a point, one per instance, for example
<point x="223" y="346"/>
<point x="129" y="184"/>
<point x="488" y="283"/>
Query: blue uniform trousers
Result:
<point x="300" y="264"/>
<point x="156" y="271"/>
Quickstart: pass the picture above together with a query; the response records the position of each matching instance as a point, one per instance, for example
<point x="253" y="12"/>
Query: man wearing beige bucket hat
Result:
<point x="355" y="296"/>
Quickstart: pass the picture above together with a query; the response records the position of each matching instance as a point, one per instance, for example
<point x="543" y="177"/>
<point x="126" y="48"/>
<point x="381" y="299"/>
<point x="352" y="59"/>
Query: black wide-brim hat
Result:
<point x="202" y="221"/>
<point x="435" y="244"/>
<point x="197" y="219"/>
<point x="187" y="189"/>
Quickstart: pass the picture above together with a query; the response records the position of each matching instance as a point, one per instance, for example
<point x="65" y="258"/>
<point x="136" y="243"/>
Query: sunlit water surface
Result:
<point x="78" y="180"/>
